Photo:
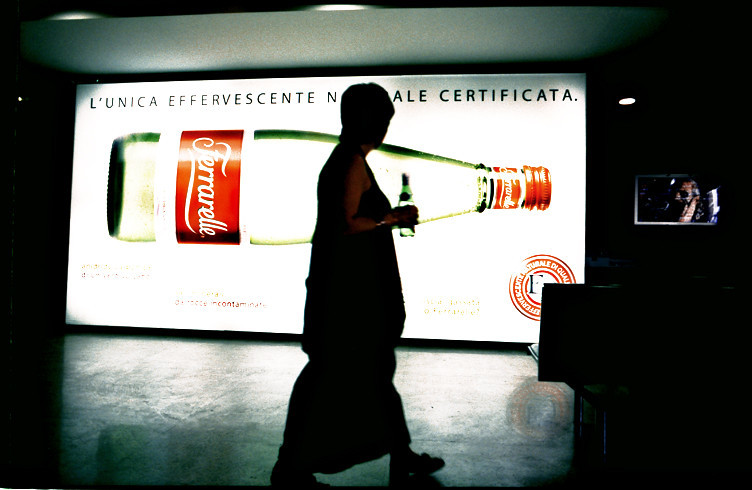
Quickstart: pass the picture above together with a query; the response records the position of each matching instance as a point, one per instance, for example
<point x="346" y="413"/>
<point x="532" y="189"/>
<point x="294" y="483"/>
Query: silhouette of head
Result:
<point x="366" y="110"/>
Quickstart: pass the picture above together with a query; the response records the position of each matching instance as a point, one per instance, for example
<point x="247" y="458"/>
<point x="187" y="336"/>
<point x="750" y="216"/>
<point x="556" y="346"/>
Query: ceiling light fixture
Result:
<point x="75" y="15"/>
<point x="339" y="7"/>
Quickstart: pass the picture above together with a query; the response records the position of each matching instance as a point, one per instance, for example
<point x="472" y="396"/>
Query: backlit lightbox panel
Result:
<point x="193" y="202"/>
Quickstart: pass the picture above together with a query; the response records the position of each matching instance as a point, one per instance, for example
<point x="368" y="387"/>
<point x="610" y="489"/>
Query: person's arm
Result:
<point x="356" y="183"/>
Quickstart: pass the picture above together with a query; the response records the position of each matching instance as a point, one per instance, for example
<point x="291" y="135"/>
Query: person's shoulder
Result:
<point x="344" y="161"/>
<point x="349" y="157"/>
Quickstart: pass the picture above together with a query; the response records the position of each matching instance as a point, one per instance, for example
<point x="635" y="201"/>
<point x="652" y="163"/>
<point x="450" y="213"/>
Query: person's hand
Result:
<point x="405" y="216"/>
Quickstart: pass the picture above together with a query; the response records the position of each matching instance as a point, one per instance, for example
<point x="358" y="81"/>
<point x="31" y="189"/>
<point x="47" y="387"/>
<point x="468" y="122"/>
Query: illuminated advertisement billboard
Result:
<point x="193" y="202"/>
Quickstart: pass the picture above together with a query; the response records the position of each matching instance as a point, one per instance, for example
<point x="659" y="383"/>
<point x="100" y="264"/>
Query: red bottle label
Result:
<point x="508" y="189"/>
<point x="208" y="187"/>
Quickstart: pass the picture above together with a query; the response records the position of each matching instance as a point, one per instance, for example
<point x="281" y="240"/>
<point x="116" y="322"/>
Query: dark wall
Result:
<point x="686" y="120"/>
<point x="39" y="187"/>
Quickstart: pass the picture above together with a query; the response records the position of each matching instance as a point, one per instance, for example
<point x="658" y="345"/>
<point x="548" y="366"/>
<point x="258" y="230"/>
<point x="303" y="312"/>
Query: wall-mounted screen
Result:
<point x="193" y="202"/>
<point x="677" y="199"/>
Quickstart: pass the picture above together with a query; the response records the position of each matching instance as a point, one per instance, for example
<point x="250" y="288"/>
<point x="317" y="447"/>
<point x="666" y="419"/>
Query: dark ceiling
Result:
<point x="41" y="9"/>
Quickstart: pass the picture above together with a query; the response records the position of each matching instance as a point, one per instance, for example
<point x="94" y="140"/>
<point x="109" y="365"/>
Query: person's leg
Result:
<point x="290" y="468"/>
<point x="403" y="461"/>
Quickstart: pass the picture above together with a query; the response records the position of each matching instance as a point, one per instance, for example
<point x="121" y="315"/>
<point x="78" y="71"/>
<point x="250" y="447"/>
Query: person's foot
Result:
<point x="423" y="464"/>
<point x="401" y="467"/>
<point x="284" y="477"/>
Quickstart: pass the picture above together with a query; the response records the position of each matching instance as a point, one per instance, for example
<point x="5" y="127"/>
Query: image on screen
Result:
<point x="677" y="199"/>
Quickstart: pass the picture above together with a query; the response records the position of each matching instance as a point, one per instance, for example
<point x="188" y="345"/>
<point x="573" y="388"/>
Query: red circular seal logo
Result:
<point x="526" y="286"/>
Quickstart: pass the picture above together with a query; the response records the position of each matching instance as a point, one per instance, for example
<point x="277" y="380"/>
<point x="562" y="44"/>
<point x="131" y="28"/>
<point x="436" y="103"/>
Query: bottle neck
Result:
<point x="514" y="188"/>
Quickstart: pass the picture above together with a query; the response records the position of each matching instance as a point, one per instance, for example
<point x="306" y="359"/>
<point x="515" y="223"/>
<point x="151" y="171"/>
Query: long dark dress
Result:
<point x="344" y="408"/>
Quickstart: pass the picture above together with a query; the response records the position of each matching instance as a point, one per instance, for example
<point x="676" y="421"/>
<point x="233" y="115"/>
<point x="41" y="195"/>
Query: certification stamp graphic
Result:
<point x="526" y="286"/>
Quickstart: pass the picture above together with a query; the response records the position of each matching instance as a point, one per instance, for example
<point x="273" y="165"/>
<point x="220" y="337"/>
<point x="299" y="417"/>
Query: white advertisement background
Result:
<point x="455" y="271"/>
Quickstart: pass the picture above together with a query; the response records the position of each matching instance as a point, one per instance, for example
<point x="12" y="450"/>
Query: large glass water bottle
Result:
<point x="188" y="185"/>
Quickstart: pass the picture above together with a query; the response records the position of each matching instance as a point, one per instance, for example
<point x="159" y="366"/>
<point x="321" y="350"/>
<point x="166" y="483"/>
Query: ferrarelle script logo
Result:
<point x="509" y="189"/>
<point x="204" y="156"/>
<point x="207" y="193"/>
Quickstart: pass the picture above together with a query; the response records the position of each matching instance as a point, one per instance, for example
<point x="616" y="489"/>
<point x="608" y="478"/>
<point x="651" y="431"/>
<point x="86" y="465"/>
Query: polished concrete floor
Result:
<point x="139" y="410"/>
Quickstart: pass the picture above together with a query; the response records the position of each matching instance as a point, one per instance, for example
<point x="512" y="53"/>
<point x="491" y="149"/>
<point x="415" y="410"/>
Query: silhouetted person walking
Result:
<point x="344" y="408"/>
